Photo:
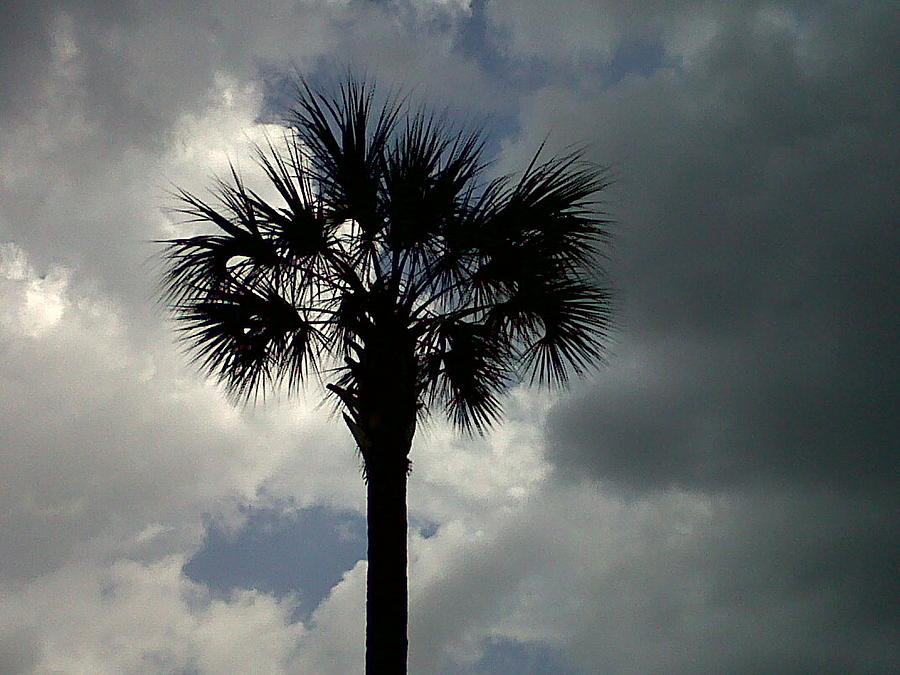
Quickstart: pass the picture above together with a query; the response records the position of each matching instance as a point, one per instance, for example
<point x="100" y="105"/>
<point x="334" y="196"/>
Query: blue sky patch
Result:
<point x="509" y="657"/>
<point x="306" y="552"/>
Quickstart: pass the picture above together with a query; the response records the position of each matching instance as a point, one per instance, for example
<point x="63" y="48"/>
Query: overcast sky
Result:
<point x="722" y="498"/>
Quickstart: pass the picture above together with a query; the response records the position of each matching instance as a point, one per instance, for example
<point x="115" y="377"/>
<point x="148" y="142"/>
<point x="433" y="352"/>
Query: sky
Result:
<point x="721" y="497"/>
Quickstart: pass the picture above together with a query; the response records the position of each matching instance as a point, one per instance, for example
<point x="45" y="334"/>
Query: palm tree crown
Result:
<point x="388" y="242"/>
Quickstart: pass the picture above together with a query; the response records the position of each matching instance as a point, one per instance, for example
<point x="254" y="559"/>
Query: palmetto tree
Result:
<point x="392" y="271"/>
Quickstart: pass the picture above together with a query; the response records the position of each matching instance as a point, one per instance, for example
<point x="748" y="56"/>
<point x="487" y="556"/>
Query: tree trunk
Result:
<point x="386" y="587"/>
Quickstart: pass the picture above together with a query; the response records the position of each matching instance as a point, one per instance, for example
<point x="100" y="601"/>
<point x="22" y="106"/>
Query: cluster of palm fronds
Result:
<point x="386" y="223"/>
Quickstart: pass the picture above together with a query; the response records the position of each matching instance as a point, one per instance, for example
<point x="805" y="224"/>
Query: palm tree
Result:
<point x="393" y="272"/>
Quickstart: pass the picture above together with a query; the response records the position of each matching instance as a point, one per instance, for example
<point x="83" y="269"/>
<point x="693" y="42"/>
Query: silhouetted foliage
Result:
<point x="386" y="212"/>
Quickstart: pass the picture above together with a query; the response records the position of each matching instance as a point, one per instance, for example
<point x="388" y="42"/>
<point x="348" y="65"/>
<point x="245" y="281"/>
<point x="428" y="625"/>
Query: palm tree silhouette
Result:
<point x="393" y="272"/>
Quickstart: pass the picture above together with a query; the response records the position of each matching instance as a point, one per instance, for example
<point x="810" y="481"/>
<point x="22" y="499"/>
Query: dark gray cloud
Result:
<point x="756" y="361"/>
<point x="26" y="55"/>
<point x="20" y="651"/>
<point x="774" y="582"/>
<point x="756" y="267"/>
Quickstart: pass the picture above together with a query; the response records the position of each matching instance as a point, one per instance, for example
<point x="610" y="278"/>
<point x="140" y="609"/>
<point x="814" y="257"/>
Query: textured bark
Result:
<point x="386" y="588"/>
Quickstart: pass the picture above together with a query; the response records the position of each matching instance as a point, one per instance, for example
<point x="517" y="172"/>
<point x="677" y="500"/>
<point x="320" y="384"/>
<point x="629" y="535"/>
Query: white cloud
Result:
<point x="40" y="303"/>
<point x="111" y="457"/>
<point x="336" y="640"/>
<point x="146" y="617"/>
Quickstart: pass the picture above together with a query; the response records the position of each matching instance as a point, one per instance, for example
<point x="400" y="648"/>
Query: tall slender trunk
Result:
<point x="386" y="589"/>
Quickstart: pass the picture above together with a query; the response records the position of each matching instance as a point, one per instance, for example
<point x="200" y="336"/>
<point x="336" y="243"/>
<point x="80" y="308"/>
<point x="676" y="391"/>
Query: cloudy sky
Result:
<point x="720" y="499"/>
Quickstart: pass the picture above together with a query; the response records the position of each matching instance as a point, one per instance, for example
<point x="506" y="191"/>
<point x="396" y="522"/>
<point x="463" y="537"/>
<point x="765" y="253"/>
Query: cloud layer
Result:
<point x="720" y="498"/>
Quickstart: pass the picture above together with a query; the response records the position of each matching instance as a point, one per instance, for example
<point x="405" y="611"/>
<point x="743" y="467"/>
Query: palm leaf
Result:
<point x="247" y="339"/>
<point x="346" y="149"/>
<point x="465" y="368"/>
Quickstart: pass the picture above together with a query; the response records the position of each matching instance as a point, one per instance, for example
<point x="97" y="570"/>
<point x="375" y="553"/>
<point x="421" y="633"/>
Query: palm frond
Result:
<point x="575" y="319"/>
<point x="346" y="142"/>
<point x="248" y="340"/>
<point x="427" y="169"/>
<point x="300" y="228"/>
<point x="466" y="369"/>
<point x="196" y="265"/>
